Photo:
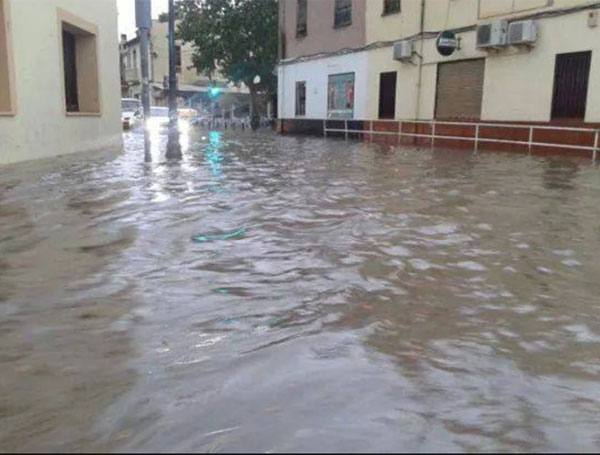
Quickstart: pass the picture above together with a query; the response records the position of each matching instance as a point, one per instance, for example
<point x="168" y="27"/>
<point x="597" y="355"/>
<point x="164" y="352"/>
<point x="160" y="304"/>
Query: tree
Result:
<point x="237" y="38"/>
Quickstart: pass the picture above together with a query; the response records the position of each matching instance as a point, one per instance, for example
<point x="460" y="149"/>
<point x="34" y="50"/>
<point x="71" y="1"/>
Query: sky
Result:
<point x="127" y="14"/>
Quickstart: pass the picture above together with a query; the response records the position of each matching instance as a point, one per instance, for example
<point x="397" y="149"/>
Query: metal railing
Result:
<point x="476" y="138"/>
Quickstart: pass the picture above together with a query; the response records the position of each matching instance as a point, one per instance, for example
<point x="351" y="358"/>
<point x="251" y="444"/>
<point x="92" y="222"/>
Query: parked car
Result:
<point x="188" y="114"/>
<point x="159" y="119"/>
<point x="131" y="112"/>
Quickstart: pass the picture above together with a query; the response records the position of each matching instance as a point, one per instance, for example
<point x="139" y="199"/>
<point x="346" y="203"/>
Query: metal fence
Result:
<point x="476" y="137"/>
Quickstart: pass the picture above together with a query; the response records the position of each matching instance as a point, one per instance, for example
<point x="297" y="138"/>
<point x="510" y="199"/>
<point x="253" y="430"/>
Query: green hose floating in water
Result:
<point x="237" y="234"/>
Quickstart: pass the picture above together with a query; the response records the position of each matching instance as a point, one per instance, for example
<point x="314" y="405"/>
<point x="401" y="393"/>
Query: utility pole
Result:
<point x="173" y="147"/>
<point x="143" y="19"/>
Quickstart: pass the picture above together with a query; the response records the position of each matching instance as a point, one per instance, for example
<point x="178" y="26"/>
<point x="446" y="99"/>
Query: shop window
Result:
<point x="80" y="65"/>
<point x="340" y="96"/>
<point x="343" y="13"/>
<point x="300" y="99"/>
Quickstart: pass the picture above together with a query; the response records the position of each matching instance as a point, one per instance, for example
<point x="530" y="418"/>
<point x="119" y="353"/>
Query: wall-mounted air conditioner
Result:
<point x="403" y="50"/>
<point x="492" y="35"/>
<point x="522" y="32"/>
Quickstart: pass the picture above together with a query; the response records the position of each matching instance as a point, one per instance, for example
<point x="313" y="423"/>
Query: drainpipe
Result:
<point x="420" y="77"/>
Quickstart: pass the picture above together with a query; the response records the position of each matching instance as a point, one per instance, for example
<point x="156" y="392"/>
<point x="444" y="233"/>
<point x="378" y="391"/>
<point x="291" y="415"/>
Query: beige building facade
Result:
<point x="191" y="85"/>
<point x="72" y="104"/>
<point x="518" y="81"/>
<point x="321" y="33"/>
<point x="553" y="79"/>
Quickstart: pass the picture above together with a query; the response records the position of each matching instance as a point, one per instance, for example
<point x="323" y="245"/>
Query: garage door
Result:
<point x="460" y="90"/>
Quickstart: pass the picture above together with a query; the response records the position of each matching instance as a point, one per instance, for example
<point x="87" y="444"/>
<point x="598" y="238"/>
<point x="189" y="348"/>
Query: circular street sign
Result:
<point x="446" y="43"/>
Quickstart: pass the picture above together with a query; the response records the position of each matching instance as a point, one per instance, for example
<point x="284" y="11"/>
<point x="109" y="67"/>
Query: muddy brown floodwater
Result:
<point x="340" y="297"/>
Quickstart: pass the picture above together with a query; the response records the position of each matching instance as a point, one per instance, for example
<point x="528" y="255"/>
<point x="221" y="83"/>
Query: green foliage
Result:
<point x="236" y="37"/>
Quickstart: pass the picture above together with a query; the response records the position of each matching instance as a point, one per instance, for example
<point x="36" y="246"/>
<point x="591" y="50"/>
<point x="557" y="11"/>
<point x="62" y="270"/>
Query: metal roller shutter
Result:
<point x="460" y="89"/>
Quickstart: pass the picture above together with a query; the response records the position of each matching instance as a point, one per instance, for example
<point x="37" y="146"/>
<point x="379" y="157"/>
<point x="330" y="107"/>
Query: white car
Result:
<point x="159" y="120"/>
<point x="131" y="112"/>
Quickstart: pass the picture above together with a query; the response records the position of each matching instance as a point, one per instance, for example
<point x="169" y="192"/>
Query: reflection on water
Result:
<point x="378" y="299"/>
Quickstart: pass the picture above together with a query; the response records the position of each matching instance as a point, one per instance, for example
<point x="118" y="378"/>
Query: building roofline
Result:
<point x="434" y="34"/>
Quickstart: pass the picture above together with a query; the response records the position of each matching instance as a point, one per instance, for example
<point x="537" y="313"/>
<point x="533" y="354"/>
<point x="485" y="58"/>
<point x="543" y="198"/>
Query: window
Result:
<point x="391" y="6"/>
<point x="300" y="99"/>
<point x="340" y="96"/>
<point x="80" y="65"/>
<point x="178" y="59"/>
<point x="7" y="97"/>
<point x="459" y="89"/>
<point x="70" y="70"/>
<point x="135" y="58"/>
<point x="343" y="13"/>
<point x="301" y="18"/>
<point x="387" y="95"/>
<point x="571" y="76"/>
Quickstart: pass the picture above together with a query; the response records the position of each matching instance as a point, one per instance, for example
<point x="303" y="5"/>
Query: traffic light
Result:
<point x="214" y="92"/>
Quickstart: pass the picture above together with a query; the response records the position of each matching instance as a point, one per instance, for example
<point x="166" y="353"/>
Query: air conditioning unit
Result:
<point x="492" y="35"/>
<point x="403" y="50"/>
<point x="522" y="32"/>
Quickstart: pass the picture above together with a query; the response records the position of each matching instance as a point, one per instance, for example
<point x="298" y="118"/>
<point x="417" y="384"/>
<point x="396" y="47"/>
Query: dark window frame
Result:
<point x="79" y="64"/>
<point x="300" y="106"/>
<point x="381" y="104"/>
<point x="70" y="71"/>
<point x="301" y="18"/>
<point x="342" y="13"/>
<point x="391" y="7"/>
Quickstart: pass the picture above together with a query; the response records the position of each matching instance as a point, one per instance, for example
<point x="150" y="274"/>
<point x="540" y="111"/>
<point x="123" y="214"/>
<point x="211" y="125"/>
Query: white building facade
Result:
<point x="59" y="78"/>
<point x="551" y="77"/>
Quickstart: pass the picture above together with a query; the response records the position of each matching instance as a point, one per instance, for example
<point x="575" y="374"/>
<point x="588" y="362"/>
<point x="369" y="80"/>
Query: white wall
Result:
<point x="316" y="73"/>
<point x="380" y="60"/>
<point x="41" y="127"/>
<point x="518" y="83"/>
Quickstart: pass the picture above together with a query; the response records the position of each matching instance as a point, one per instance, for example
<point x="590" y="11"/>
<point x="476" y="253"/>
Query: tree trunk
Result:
<point x="254" y="114"/>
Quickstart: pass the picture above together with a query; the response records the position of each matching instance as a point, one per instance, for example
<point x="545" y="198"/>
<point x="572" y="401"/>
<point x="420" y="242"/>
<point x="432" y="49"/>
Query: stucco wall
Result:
<point x="518" y="83"/>
<point x="316" y="74"/>
<point x="321" y="35"/>
<point x="160" y="59"/>
<point x="41" y="127"/>
<point x="519" y="86"/>
<point x="392" y="26"/>
<point x="379" y="61"/>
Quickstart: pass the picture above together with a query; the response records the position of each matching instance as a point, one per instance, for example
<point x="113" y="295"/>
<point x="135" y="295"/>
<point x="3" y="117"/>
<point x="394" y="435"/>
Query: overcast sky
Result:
<point x="127" y="14"/>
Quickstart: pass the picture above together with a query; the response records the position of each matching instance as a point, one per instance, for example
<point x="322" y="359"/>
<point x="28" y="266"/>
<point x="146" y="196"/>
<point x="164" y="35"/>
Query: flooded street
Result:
<point x="298" y="294"/>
